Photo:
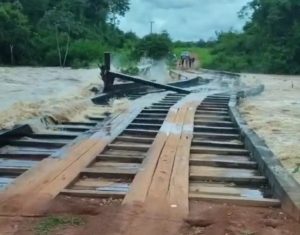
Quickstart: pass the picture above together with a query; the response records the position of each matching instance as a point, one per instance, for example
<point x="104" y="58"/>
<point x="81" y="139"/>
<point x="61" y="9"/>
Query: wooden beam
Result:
<point x="220" y="151"/>
<point x="42" y="183"/>
<point x="146" y="82"/>
<point x="93" y="193"/>
<point x="262" y="202"/>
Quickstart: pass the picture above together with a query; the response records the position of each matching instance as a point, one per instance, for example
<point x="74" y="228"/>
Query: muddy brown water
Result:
<point x="28" y="92"/>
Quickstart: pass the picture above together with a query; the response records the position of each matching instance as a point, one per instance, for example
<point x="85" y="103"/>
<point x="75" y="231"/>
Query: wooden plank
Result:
<point x="151" y="115"/>
<point x="22" y="155"/>
<point x="155" y="111"/>
<point x="70" y="128"/>
<point x="179" y="184"/>
<point x="164" y="200"/>
<point x="123" y="152"/>
<point x="207" y="108"/>
<point x="53" y="136"/>
<point x="165" y="103"/>
<point x="225" y="190"/>
<point x="140" y="132"/>
<point x="45" y="140"/>
<point x="216" y="156"/>
<point x="93" y="193"/>
<point x="19" y="150"/>
<point x="36" y="143"/>
<point x="144" y="126"/>
<point x="116" y="165"/>
<point x="220" y="144"/>
<point x="142" y="181"/>
<point x="146" y="82"/>
<point x="7" y="165"/>
<point x="163" y="172"/>
<point x="99" y="184"/>
<point x="221" y="162"/>
<point x="96" y="119"/>
<point x="220" y="151"/>
<point x="160" y="107"/>
<point x="120" y="158"/>
<point x="205" y="173"/>
<point x="200" y="122"/>
<point x="264" y="202"/>
<point x="210" y="104"/>
<point x="149" y="120"/>
<point x="222" y="130"/>
<point x="136" y="147"/>
<point x="143" y="140"/>
<point x="212" y="117"/>
<point x="43" y="183"/>
<point x="210" y="112"/>
<point x="216" y="136"/>
<point x="92" y="124"/>
<point x="108" y="172"/>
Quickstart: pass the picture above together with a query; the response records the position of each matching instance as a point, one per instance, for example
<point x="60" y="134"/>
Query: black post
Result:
<point x="107" y="61"/>
<point x="105" y="73"/>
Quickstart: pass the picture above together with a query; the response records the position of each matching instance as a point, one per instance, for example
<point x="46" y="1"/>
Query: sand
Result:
<point x="275" y="116"/>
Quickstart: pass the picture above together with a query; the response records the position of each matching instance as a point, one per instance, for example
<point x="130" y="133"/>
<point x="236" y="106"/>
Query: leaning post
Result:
<point x="106" y="76"/>
<point x="107" y="61"/>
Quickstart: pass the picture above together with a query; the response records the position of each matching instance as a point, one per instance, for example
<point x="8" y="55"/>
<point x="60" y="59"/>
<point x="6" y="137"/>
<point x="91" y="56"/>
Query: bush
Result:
<point x="154" y="46"/>
<point x="85" y="52"/>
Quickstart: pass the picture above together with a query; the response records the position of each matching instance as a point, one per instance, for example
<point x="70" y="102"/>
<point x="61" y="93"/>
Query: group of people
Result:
<point x="186" y="61"/>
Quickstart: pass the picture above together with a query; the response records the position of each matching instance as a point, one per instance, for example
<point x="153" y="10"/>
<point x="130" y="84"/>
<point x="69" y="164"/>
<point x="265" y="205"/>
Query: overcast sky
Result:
<point x="186" y="20"/>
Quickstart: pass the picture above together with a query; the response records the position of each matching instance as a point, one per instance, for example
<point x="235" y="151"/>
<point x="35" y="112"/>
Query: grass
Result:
<point x="204" y="54"/>
<point x="51" y="223"/>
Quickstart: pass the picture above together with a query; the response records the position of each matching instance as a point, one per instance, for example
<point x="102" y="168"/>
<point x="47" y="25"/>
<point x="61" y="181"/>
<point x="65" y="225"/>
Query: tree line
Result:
<point x="70" y="33"/>
<point x="76" y="33"/>
<point x="269" y="42"/>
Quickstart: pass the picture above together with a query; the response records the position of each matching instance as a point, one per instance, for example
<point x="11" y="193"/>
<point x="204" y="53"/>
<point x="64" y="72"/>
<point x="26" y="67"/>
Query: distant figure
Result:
<point x="185" y="57"/>
<point x="191" y="61"/>
<point x="182" y="59"/>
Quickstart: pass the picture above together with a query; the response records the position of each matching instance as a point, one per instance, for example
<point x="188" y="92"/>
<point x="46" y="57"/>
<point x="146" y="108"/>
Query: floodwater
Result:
<point x="275" y="116"/>
<point x="28" y="92"/>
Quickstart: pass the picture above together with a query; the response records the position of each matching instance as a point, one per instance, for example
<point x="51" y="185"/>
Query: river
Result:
<point x="29" y="92"/>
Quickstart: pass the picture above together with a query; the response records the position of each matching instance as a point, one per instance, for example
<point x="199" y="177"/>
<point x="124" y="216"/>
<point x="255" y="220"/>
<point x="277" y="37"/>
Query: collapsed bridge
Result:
<point x="172" y="146"/>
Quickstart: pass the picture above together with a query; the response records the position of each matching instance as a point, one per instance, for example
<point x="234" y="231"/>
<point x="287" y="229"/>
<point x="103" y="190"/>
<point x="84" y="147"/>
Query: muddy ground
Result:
<point x="99" y="217"/>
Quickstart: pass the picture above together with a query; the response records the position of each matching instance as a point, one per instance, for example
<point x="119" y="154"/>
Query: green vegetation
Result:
<point x="49" y="224"/>
<point x="203" y="54"/>
<point x="269" y="43"/>
<point x="59" y="32"/>
<point x="76" y="33"/>
<point x="155" y="46"/>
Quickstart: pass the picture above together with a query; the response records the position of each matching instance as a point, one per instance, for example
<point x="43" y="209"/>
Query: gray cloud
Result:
<point x="183" y="19"/>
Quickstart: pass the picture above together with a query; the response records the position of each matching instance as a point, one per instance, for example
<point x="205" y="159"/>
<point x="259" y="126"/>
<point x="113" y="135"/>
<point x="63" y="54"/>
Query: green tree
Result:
<point x="269" y="43"/>
<point x="61" y="23"/>
<point x="155" y="46"/>
<point x="14" y="30"/>
<point x="58" y="32"/>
